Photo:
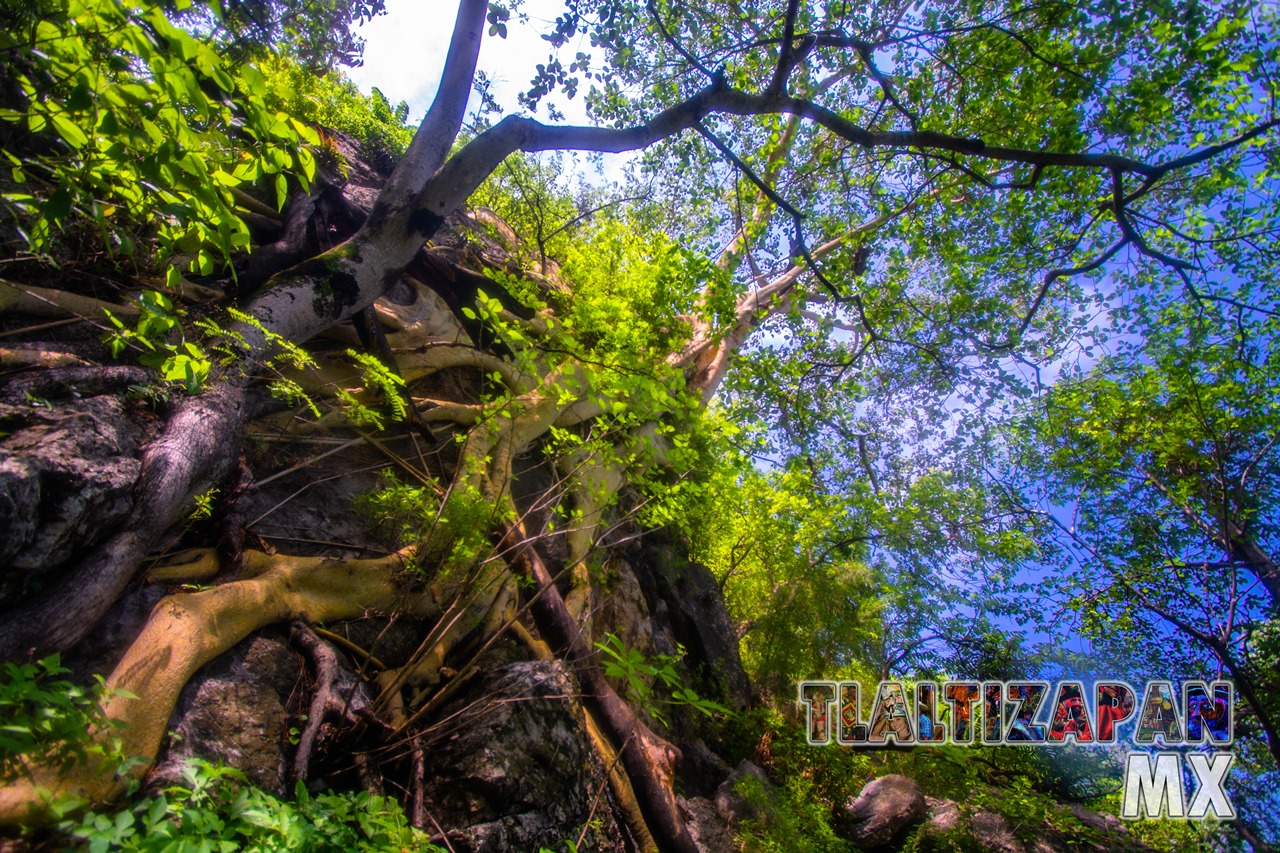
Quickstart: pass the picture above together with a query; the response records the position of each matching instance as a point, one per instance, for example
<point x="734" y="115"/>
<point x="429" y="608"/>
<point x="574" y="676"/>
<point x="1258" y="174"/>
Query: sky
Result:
<point x="405" y="49"/>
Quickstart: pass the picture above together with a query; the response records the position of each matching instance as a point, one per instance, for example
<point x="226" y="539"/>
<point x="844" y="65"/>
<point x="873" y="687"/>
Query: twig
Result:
<point x="351" y="647"/>
<point x="306" y="462"/>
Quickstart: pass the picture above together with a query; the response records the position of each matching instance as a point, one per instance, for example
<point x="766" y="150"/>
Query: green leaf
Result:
<point x="68" y="130"/>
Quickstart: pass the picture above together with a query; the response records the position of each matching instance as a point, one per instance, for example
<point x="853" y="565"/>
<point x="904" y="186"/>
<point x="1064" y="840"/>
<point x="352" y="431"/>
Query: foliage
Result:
<point x="447" y="528"/>
<point x="217" y="810"/>
<point x="377" y="378"/>
<point x="644" y="681"/>
<point x="790" y="820"/>
<point x="1163" y="460"/>
<point x="855" y="487"/>
<point x="332" y="101"/>
<point x="124" y="121"/>
<point x="317" y="32"/>
<point x="53" y="718"/>
<point x="177" y="360"/>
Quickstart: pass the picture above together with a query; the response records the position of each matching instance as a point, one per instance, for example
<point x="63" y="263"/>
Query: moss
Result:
<point x="334" y="288"/>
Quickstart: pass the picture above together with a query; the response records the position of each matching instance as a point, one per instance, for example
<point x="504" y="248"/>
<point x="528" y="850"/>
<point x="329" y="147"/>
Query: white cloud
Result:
<point x="404" y="51"/>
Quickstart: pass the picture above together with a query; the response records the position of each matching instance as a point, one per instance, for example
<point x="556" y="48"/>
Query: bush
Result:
<point x="218" y="810"/>
<point x="51" y="717"/>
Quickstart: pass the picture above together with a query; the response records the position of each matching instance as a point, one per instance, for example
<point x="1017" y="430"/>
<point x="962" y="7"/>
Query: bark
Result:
<point x="198" y="449"/>
<point x="327" y="697"/>
<point x="58" y="381"/>
<point x="43" y="302"/>
<point x="200" y="443"/>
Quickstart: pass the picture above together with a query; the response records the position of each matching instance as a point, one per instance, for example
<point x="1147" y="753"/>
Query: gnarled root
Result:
<point x="347" y="701"/>
<point x="187" y="631"/>
<point x="623" y="793"/>
<point x="485" y="602"/>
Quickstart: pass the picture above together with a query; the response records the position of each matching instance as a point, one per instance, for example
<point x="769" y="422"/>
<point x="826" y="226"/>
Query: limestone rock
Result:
<point x="732" y="805"/>
<point x="512" y="766"/>
<point x="66" y="479"/>
<point x="707" y="826"/>
<point x="233" y="713"/>
<point x="684" y="595"/>
<point x="700" y="770"/>
<point x="992" y="832"/>
<point x="1107" y="823"/>
<point x="944" y="815"/>
<point x="884" y="808"/>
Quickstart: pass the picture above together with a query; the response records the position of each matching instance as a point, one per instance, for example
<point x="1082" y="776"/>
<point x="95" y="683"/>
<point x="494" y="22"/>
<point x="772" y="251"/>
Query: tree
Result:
<point x="319" y="34"/>
<point x="1158" y="473"/>
<point x="884" y="181"/>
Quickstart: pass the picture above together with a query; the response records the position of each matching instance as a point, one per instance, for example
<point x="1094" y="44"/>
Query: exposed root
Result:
<point x="327" y="699"/>
<point x="13" y="358"/>
<point x="187" y="631"/>
<point x="204" y="564"/>
<point x="45" y="302"/>
<point x="195" y="452"/>
<point x="620" y="785"/>
<point x="649" y="760"/>
<point x="363" y="654"/>
<point x="423" y="670"/>
<point x="86" y="381"/>
<point x="418" y="808"/>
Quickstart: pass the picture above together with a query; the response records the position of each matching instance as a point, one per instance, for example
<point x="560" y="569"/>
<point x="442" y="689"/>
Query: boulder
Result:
<point x="685" y="601"/>
<point x="233" y="713"/>
<point x="66" y="479"/>
<point x="944" y="815"/>
<point x="732" y="805"/>
<point x="709" y="830"/>
<point x="884" y="808"/>
<point x="1106" y="823"/>
<point x="992" y="832"/>
<point x="511" y="765"/>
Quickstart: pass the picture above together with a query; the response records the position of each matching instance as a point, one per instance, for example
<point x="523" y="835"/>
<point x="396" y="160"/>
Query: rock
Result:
<point x="709" y="830"/>
<point x="620" y="608"/>
<point x="944" y="815"/>
<point x="732" y="805"/>
<point x="66" y="479"/>
<point x="319" y="521"/>
<point x="511" y="766"/>
<point x="701" y="771"/>
<point x="233" y="713"/>
<point x="992" y="832"/>
<point x="685" y="595"/>
<point x="884" y="808"/>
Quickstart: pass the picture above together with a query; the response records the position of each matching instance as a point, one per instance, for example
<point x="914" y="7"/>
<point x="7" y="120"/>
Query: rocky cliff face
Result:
<point x="506" y="763"/>
<point x="503" y="754"/>
<point x="508" y="760"/>
<point x="497" y="750"/>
